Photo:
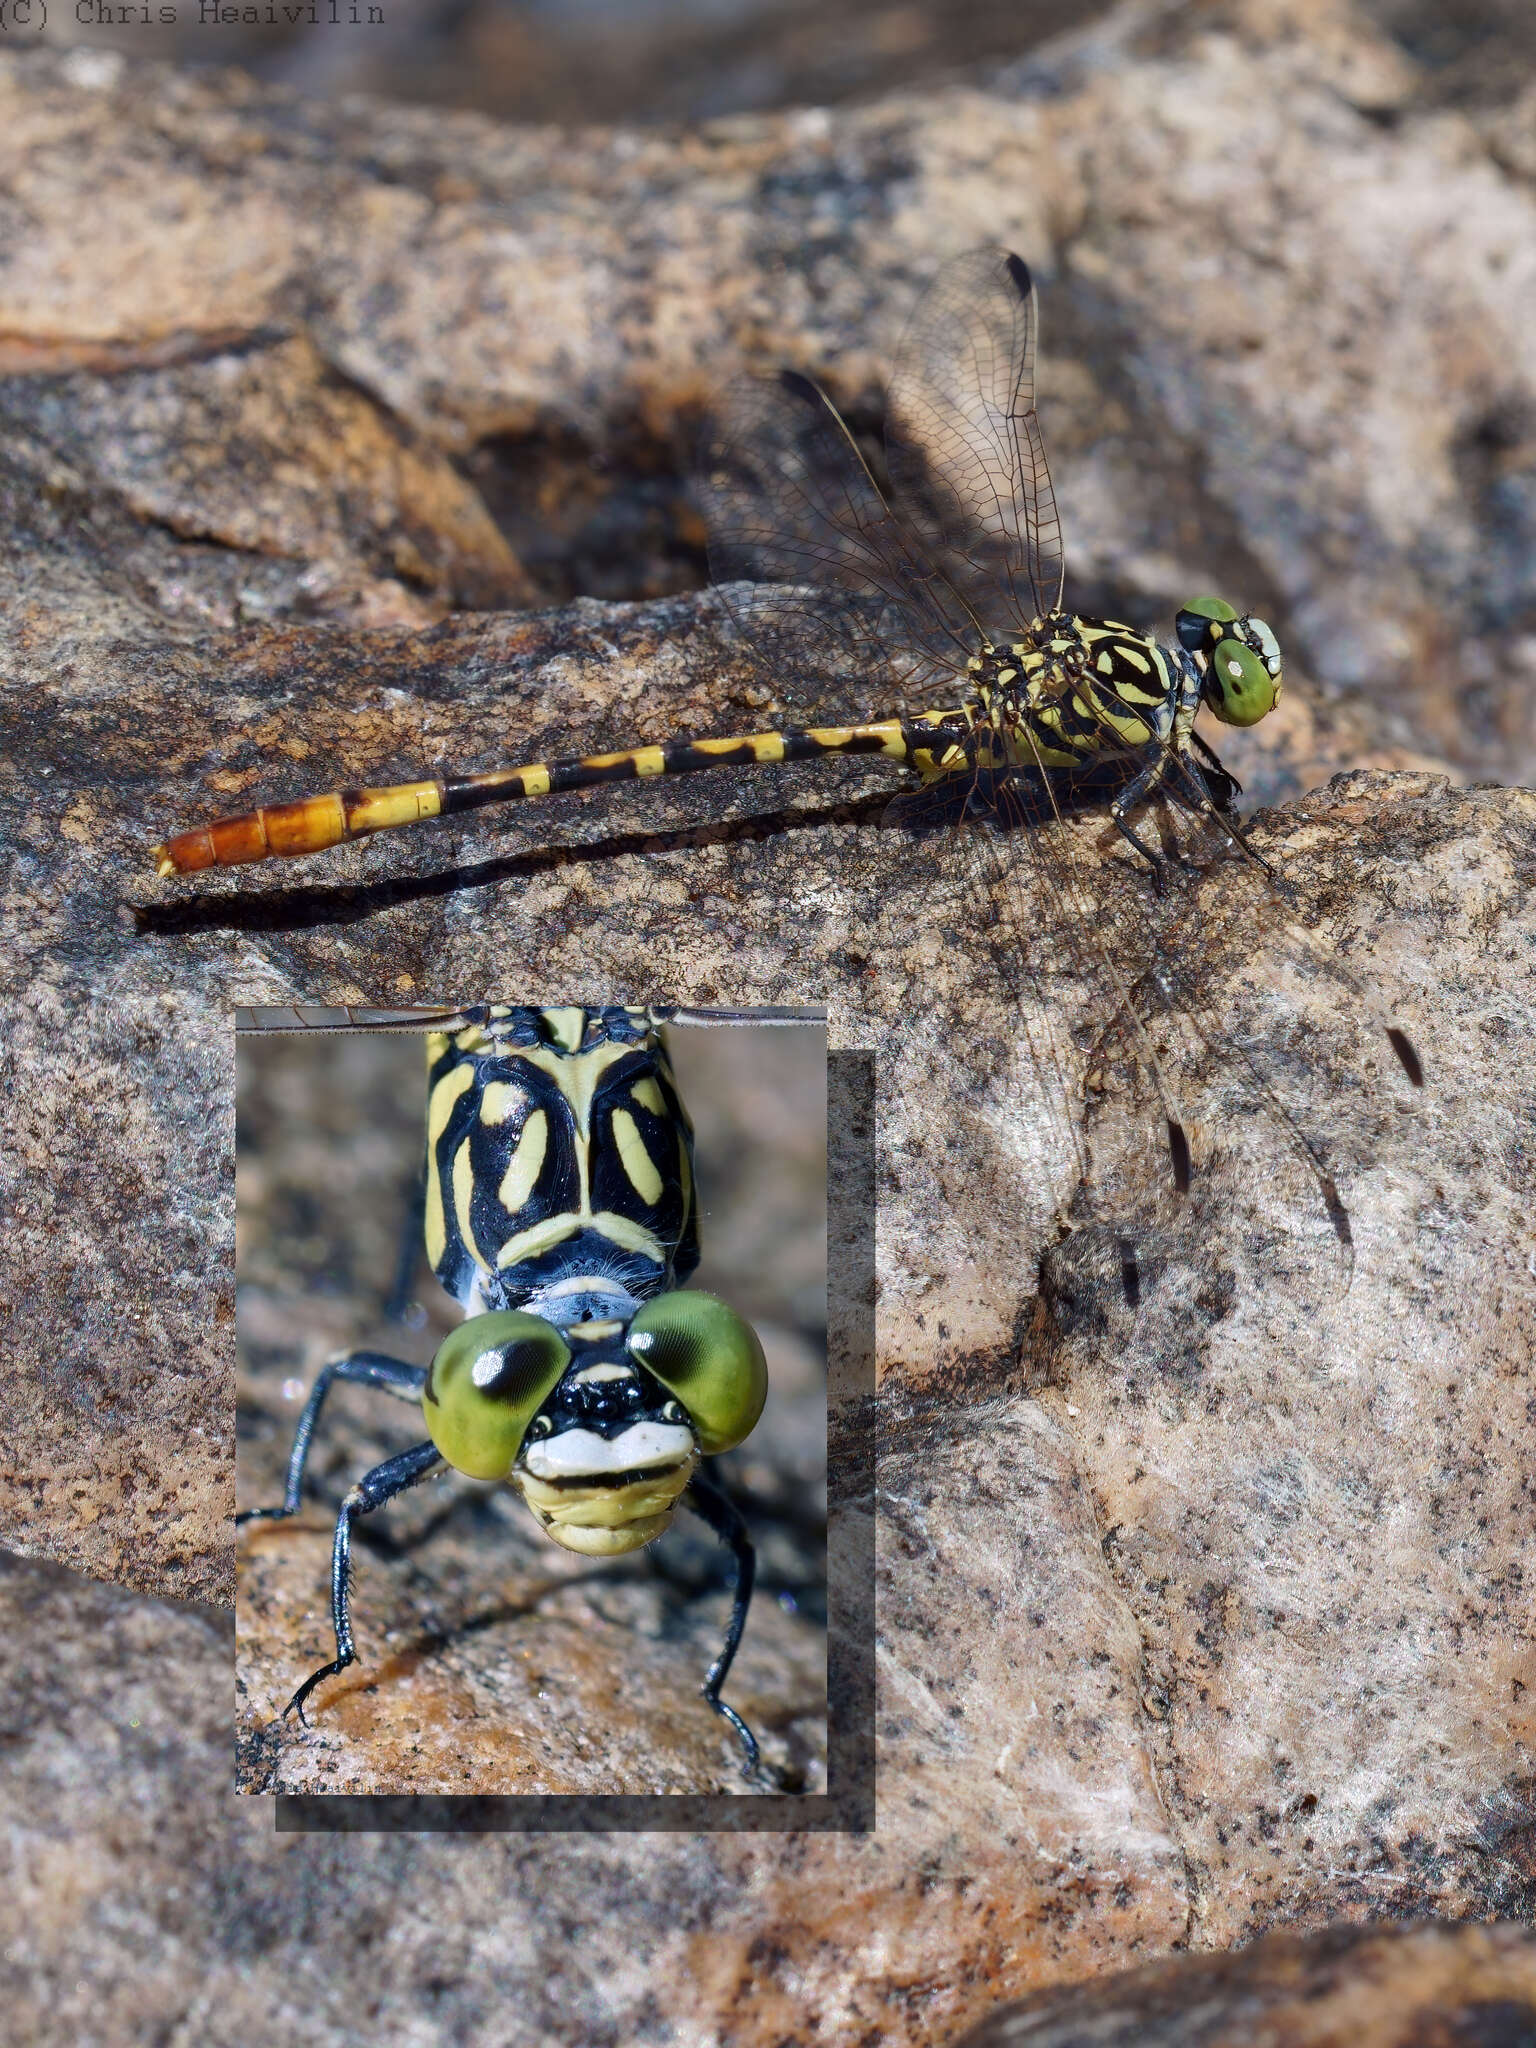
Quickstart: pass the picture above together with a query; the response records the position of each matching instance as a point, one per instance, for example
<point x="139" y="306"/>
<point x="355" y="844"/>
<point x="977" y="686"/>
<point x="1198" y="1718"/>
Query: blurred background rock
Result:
<point x="648" y="61"/>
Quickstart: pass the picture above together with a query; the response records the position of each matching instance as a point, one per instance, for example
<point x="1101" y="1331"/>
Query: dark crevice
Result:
<point x="602" y="513"/>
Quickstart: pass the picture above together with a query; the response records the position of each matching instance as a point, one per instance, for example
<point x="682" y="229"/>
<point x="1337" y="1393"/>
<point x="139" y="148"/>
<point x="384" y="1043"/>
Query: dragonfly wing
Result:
<point x="842" y="582"/>
<point x="963" y="441"/>
<point x="787" y="496"/>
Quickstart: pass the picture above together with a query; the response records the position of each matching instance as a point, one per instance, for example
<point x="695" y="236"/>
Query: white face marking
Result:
<point x="582" y="1453"/>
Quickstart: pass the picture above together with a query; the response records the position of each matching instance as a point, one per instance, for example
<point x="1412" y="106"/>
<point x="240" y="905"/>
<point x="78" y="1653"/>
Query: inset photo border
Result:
<point x="493" y="1664"/>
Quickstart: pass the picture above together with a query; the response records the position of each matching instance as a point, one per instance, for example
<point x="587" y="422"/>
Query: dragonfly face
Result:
<point x="1238" y="658"/>
<point x="600" y="1425"/>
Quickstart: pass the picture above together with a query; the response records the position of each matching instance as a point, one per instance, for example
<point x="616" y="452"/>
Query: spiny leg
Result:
<point x="1168" y="767"/>
<point x="401" y="1302"/>
<point x="362" y="1368"/>
<point x="1135" y="793"/>
<point x="1200" y="799"/>
<point x="370" y="1492"/>
<point x="1216" y="771"/>
<point x="714" y="1505"/>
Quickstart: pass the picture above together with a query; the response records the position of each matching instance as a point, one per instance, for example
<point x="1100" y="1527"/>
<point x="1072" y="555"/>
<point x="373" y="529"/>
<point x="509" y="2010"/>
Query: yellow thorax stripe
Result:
<point x="526" y="1163"/>
<point x="445" y="1094"/>
<point x="620" y="1230"/>
<point x="635" y="1158"/>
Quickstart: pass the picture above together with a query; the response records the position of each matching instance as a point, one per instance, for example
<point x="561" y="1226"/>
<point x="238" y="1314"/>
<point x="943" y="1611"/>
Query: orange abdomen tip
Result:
<point x="307" y="826"/>
<point x="184" y="855"/>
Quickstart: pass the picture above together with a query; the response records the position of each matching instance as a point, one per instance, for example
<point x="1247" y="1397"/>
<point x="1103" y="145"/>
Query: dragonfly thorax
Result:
<point x="1071" y="692"/>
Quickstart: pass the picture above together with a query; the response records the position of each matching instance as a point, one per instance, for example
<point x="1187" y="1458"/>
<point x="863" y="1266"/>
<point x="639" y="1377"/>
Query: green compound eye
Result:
<point x="486" y="1384"/>
<point x="705" y="1355"/>
<point x="1194" y="622"/>
<point x="1238" y="686"/>
<point x="1242" y="656"/>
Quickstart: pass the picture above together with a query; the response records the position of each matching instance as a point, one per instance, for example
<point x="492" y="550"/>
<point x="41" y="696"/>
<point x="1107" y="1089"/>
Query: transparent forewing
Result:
<point x="787" y="496"/>
<point x="844" y="588"/>
<point x="963" y="443"/>
<point x="297" y="1019"/>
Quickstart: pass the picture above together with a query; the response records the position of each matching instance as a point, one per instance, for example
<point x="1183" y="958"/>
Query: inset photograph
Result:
<point x="532" y="1401"/>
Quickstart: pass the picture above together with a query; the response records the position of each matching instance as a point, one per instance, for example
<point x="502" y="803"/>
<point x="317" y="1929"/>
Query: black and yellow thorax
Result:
<point x="559" y="1163"/>
<point x="1067" y="693"/>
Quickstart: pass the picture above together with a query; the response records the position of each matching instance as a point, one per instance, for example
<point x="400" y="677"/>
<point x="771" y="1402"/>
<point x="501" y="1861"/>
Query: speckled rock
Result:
<point x="145" y="1899"/>
<point x="117" y="1133"/>
<point x="1386" y="1987"/>
<point x="1194" y="1618"/>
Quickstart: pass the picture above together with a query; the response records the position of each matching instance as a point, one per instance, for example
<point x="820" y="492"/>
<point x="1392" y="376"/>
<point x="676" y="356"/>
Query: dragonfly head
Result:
<point x="1239" y="660"/>
<point x="599" y="1425"/>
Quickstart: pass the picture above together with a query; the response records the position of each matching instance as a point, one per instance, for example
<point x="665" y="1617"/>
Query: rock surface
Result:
<point x="1382" y="1987"/>
<point x="1304" y="368"/>
<point x="1194" y="1619"/>
<point x="144" y="1898"/>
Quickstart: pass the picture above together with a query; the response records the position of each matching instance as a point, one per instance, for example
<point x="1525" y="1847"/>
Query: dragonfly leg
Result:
<point x="401" y="1307"/>
<point x="1211" y="804"/>
<point x="370" y="1492"/>
<point x="1135" y="793"/>
<point x="364" y="1368"/>
<point x="1221" y="784"/>
<point x="709" y="1500"/>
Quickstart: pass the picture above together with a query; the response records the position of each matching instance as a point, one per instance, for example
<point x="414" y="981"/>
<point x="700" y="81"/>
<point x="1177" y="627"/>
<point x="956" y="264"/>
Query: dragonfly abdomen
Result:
<point x="314" y="823"/>
<point x="672" y="757"/>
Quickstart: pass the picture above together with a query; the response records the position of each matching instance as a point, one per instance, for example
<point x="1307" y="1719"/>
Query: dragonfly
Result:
<point x="559" y="1210"/>
<point x="942" y="583"/>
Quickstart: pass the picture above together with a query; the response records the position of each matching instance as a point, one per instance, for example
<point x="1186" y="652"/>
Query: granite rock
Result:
<point x="1198" y="1615"/>
<point x="1386" y="1985"/>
